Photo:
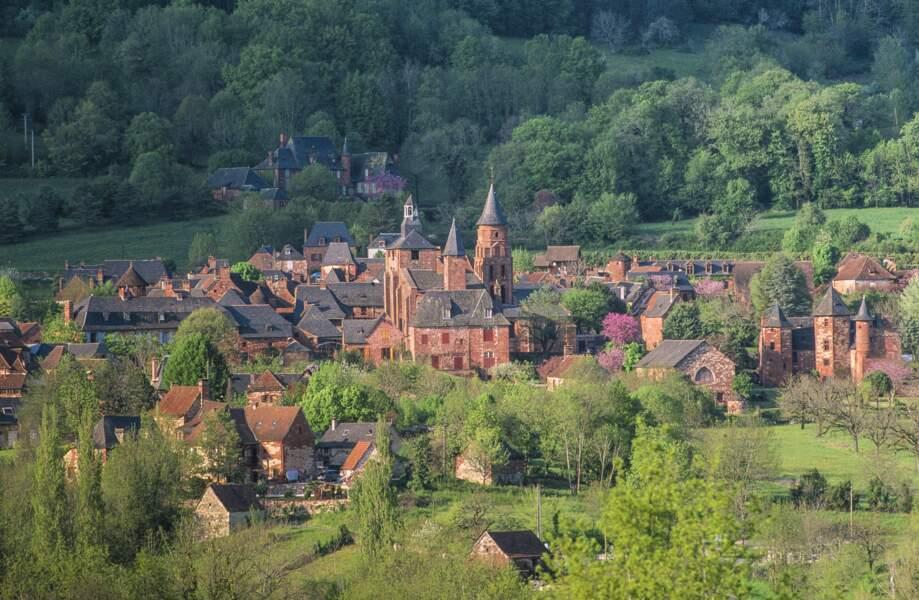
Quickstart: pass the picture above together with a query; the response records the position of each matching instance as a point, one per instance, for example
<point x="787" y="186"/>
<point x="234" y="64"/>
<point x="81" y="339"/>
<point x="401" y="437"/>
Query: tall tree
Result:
<point x="11" y="302"/>
<point x="88" y="515"/>
<point x="220" y="446"/>
<point x="374" y="500"/>
<point x="49" y="498"/>
<point x="780" y="282"/>
<point x="195" y="358"/>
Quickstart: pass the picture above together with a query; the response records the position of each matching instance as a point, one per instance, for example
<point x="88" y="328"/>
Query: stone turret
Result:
<point x="775" y="347"/>
<point x="863" y="322"/>
<point x="832" y="324"/>
<point x="454" y="257"/>
<point x="493" y="262"/>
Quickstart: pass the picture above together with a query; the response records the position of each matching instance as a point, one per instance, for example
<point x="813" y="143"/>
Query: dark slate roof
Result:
<point x="88" y="350"/>
<point x="366" y="295"/>
<point x="454" y="245"/>
<point x="383" y="240"/>
<point x="236" y="497"/>
<point x="130" y="278"/>
<point x="317" y="302"/>
<point x="151" y="313"/>
<point x="863" y="314"/>
<point x="151" y="270"/>
<point x="329" y="231"/>
<point x="413" y="241"/>
<point x="236" y="178"/>
<point x="663" y="302"/>
<point x="458" y="308"/>
<point x="355" y="331"/>
<point x="320" y="328"/>
<point x="492" y="213"/>
<point x="231" y="298"/>
<point x="374" y="163"/>
<point x="259" y="321"/>
<point x="669" y="354"/>
<point x="288" y="252"/>
<point x="346" y="435"/>
<point x="832" y="305"/>
<point x="338" y="253"/>
<point x="426" y="279"/>
<point x="774" y="317"/>
<point x="518" y="544"/>
<point x="104" y="432"/>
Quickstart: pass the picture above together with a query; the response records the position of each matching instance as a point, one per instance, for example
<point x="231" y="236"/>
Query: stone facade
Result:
<point x="510" y="473"/>
<point x="461" y="349"/>
<point x="214" y="519"/>
<point x="703" y="365"/>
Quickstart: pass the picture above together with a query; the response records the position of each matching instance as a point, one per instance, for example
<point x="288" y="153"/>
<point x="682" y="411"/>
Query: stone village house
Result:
<point x="225" y="508"/>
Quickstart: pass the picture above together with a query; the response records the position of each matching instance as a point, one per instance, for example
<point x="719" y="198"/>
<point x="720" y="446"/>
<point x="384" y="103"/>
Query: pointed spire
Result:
<point x="454" y="245"/>
<point x="492" y="213"/>
<point x="863" y="314"/>
<point x="774" y="317"/>
<point x="832" y="305"/>
<point x="410" y="220"/>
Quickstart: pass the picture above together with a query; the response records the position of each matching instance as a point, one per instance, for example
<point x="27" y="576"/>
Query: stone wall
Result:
<point x="831" y="342"/>
<point x="463" y="349"/>
<point x="775" y="355"/>
<point x="652" y="331"/>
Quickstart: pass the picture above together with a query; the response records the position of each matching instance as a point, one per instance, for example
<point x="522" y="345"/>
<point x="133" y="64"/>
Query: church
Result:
<point x="442" y="307"/>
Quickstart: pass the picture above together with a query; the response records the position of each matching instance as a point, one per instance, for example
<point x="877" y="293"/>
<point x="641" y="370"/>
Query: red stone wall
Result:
<point x="652" y="331"/>
<point x="775" y="355"/>
<point x="466" y="345"/>
<point x="831" y="337"/>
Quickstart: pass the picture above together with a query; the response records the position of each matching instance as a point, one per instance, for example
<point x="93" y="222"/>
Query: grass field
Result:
<point x="883" y="220"/>
<point x="48" y="253"/>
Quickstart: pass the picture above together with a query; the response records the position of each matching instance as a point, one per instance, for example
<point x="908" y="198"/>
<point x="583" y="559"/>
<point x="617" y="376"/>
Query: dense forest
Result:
<point x="794" y="101"/>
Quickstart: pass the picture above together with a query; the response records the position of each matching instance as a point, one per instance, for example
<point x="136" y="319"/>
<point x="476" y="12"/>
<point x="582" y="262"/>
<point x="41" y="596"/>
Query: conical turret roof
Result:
<point x="774" y="317"/>
<point x="863" y="314"/>
<point x="131" y="278"/>
<point x="492" y="213"/>
<point x="454" y="245"/>
<point x="832" y="305"/>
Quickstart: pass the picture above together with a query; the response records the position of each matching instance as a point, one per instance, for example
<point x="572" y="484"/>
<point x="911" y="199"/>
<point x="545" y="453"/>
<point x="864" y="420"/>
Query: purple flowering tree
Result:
<point x="708" y="287"/>
<point x="895" y="369"/>
<point x="621" y="329"/>
<point x="611" y="359"/>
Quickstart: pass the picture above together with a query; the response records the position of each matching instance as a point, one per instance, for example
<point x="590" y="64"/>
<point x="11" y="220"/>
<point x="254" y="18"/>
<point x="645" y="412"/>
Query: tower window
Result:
<point x="826" y="345"/>
<point x="826" y="362"/>
<point x="415" y="254"/>
<point x="772" y="346"/>
<point x="495" y="235"/>
<point x="445" y="338"/>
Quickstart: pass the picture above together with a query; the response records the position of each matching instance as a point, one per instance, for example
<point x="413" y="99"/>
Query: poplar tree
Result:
<point x="89" y="488"/>
<point x="374" y="500"/>
<point x="48" y="496"/>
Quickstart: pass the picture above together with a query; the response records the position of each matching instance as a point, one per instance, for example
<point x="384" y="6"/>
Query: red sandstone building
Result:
<point x="833" y="342"/>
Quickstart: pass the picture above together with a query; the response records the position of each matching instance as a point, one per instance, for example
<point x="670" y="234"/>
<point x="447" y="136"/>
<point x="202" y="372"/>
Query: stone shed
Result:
<point x="227" y="507"/>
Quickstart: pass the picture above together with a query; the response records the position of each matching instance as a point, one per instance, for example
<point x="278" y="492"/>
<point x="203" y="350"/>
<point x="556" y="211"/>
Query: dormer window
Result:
<point x="409" y="211"/>
<point x="489" y="313"/>
<point x="161" y="317"/>
<point x="322" y="241"/>
<point x="446" y="313"/>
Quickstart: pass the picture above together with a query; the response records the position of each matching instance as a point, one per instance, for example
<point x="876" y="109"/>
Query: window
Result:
<point x="7" y="410"/>
<point x="826" y="362"/>
<point x="435" y="362"/>
<point x="424" y="339"/>
<point x="772" y="346"/>
<point x="489" y="313"/>
<point x="719" y="397"/>
<point x="502" y="271"/>
<point x="445" y="337"/>
<point x="826" y="322"/>
<point x="458" y="363"/>
<point x="704" y="375"/>
<point x="794" y="357"/>
<point x="826" y="345"/>
<point x="322" y="241"/>
<point x="415" y="254"/>
<point x="488" y="360"/>
<point x="446" y="313"/>
<point x="488" y="335"/>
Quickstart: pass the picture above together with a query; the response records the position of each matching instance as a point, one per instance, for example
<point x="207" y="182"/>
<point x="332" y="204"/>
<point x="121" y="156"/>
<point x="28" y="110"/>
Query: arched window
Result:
<point x="704" y="375"/>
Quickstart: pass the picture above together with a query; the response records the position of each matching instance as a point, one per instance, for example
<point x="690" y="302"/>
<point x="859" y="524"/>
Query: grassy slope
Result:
<point x="166" y="240"/>
<point x="885" y="220"/>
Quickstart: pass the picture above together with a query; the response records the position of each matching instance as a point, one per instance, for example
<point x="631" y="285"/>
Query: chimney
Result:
<point x="154" y="371"/>
<point x="334" y="424"/>
<point x="204" y="390"/>
<point x="123" y="292"/>
<point x="68" y="310"/>
<point x="283" y="139"/>
<point x="99" y="276"/>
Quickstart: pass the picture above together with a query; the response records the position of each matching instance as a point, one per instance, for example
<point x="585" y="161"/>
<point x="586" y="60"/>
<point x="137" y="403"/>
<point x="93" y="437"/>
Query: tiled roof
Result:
<point x="357" y="453"/>
<point x="860" y="267"/>
<point x="178" y="400"/>
<point x="454" y="245"/>
<point x="563" y="253"/>
<point x="458" y="308"/>
<point x="426" y="279"/>
<point x="270" y="423"/>
<point x="104" y="432"/>
<point x="368" y="295"/>
<point x="774" y="317"/>
<point x="267" y="382"/>
<point x="863" y="314"/>
<point x="322" y="299"/>
<point x="319" y="328"/>
<point x="832" y="305"/>
<point x="337" y="253"/>
<point x="412" y="241"/>
<point x="517" y="544"/>
<point x="236" y="497"/>
<point x="327" y="232"/>
<point x="259" y="321"/>
<point x="355" y="331"/>
<point x="235" y="178"/>
<point x="112" y="313"/>
<point x="669" y="354"/>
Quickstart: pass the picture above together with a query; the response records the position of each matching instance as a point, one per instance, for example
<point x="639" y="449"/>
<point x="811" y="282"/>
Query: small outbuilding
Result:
<point x="520" y="549"/>
<point x="227" y="507"/>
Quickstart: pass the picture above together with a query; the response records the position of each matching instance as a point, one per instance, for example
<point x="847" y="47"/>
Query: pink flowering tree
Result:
<point x="896" y="370"/>
<point x="621" y="329"/>
<point x="661" y="281"/>
<point x="708" y="287"/>
<point x="611" y="359"/>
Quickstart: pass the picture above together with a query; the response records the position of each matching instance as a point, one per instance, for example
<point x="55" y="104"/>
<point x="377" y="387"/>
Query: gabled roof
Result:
<point x="351" y="294"/>
<point x="357" y="453"/>
<point x="113" y="314"/>
<point x="131" y="278"/>
<point x="563" y="253"/>
<point x="259" y="321"/>
<point x="236" y="497"/>
<point x="860" y="267"/>
<point x="337" y="253"/>
<point x="319" y="328"/>
<point x="774" y="317"/>
<point x="328" y="232"/>
<point x="346" y="435"/>
<point x="235" y="178"/>
<point x="517" y="544"/>
<point x="454" y="245"/>
<point x="558" y="366"/>
<point x="178" y="400"/>
<point x="660" y="304"/>
<point x="669" y="354"/>
<point x="355" y="331"/>
<point x="492" y="214"/>
<point x="323" y="302"/>
<point x="288" y="252"/>
<point x="412" y="241"/>
<point x="104" y="433"/>
<point x="267" y="382"/>
<point x="458" y="308"/>
<point x="832" y="305"/>
<point x="383" y="240"/>
<point x="269" y="423"/>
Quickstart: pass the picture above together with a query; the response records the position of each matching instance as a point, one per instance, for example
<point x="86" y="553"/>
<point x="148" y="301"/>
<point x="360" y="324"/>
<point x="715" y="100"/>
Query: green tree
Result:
<point x="587" y="307"/>
<point x="315" y="181"/>
<point x="908" y="319"/>
<point x="220" y="446"/>
<point x="780" y="282"/>
<point x="41" y="211"/>
<point x="55" y="331"/>
<point x="373" y="499"/>
<point x="122" y="387"/>
<point x="213" y="324"/>
<point x="334" y="393"/>
<point x="801" y="235"/>
<point x="421" y="458"/>
<point x="683" y="323"/>
<point x="674" y="534"/>
<point x="247" y="271"/>
<point x="824" y="256"/>
<point x="88" y="514"/>
<point x="11" y="303"/>
<point x="147" y="132"/>
<point x="10" y="223"/>
<point x="731" y="214"/>
<point x="194" y="358"/>
<point x="611" y="218"/>
<point x="203" y="246"/>
<point x="49" y="497"/>
<point x="75" y="393"/>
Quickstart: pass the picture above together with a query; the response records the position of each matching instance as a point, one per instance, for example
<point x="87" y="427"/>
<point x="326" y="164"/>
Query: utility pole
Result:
<point x="33" y="148"/>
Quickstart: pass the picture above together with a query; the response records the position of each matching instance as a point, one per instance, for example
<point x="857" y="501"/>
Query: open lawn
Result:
<point x="48" y="253"/>
<point x="682" y="63"/>
<point x="833" y="456"/>
<point x="7" y="455"/>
